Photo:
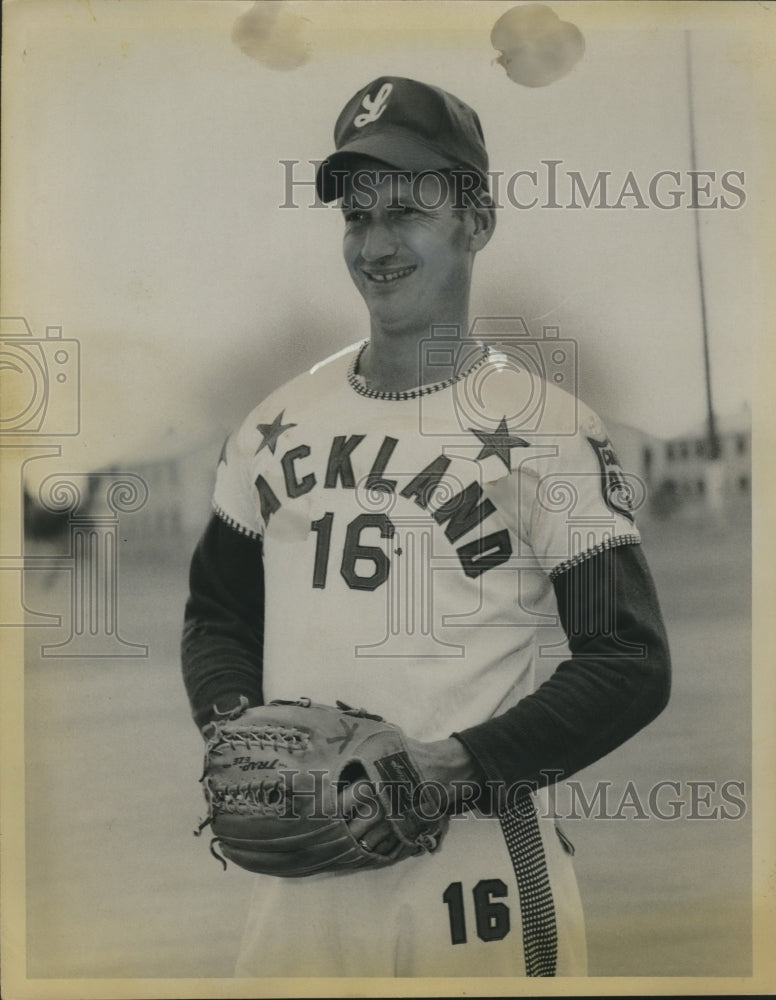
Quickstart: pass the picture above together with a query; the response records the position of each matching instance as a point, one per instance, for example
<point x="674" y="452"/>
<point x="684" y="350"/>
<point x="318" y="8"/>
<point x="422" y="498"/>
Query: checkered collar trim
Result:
<point x="357" y="382"/>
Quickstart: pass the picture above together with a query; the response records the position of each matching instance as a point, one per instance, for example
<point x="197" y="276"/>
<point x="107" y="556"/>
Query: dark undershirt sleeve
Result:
<point x="223" y="631"/>
<point x="617" y="680"/>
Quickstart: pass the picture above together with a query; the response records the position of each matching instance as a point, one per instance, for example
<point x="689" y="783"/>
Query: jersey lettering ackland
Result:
<point x="411" y="539"/>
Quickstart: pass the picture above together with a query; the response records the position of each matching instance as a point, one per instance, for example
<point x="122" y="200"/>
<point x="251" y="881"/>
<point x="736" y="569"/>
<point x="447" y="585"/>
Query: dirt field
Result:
<point x="118" y="886"/>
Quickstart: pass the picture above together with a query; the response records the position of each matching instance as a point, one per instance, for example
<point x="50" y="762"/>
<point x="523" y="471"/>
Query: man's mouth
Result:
<point x="384" y="277"/>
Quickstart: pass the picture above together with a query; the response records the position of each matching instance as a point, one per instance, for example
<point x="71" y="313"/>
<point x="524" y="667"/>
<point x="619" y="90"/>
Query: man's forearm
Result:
<point x="599" y="698"/>
<point x="222" y="644"/>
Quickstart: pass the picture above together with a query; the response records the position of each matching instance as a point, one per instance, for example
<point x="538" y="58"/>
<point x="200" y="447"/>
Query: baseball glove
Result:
<point x="274" y="777"/>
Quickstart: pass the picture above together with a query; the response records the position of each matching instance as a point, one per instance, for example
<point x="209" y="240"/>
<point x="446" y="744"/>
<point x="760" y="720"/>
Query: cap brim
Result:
<point x="396" y="148"/>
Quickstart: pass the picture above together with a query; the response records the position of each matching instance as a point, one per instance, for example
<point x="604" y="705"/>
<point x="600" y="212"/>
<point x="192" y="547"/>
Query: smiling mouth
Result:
<point x="385" y="277"/>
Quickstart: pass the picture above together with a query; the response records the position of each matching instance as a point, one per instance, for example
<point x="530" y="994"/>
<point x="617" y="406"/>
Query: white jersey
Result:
<point x="409" y="541"/>
<point x="409" y="544"/>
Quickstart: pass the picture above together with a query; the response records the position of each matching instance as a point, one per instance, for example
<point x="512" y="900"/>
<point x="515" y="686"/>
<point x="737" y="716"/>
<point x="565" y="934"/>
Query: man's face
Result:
<point x="408" y="250"/>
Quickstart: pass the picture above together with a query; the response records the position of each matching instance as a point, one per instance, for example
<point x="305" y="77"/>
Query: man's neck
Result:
<point x="398" y="364"/>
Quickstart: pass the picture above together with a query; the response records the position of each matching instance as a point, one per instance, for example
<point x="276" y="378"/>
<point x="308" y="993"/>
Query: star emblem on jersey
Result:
<point x="271" y="432"/>
<point x="499" y="442"/>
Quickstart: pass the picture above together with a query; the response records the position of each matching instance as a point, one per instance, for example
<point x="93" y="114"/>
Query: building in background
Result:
<point x="180" y="488"/>
<point x="679" y="481"/>
<point x="679" y="478"/>
<point x="676" y="473"/>
<point x="683" y="480"/>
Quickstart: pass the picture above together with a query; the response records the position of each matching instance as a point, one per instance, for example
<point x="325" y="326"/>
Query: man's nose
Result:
<point x="380" y="242"/>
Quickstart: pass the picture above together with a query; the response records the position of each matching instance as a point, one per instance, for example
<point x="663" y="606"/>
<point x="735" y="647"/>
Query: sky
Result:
<point x="143" y="149"/>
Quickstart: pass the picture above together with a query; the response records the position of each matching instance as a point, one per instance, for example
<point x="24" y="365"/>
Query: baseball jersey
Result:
<point x="412" y="543"/>
<point x="411" y="538"/>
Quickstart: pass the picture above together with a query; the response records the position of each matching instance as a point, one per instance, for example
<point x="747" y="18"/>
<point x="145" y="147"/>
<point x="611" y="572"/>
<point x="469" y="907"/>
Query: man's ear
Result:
<point x="484" y="225"/>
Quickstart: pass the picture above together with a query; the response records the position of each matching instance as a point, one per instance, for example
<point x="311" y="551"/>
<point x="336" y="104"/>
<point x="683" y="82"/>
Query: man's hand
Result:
<point x="445" y="763"/>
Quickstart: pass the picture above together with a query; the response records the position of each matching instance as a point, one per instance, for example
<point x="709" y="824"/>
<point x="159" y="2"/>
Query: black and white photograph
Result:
<point x="384" y="409"/>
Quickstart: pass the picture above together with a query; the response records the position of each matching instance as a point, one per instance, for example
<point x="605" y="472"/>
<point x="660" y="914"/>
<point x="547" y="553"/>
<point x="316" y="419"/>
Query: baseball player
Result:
<point x="397" y="528"/>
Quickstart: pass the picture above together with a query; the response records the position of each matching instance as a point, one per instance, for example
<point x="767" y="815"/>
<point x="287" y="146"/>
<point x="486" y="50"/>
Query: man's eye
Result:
<point x="404" y="211"/>
<point x="356" y="216"/>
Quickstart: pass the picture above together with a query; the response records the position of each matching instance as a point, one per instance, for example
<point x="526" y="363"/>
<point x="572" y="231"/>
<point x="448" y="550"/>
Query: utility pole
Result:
<point x="711" y="426"/>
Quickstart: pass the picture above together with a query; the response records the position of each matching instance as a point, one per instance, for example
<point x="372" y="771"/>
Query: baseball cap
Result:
<point x="407" y="125"/>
